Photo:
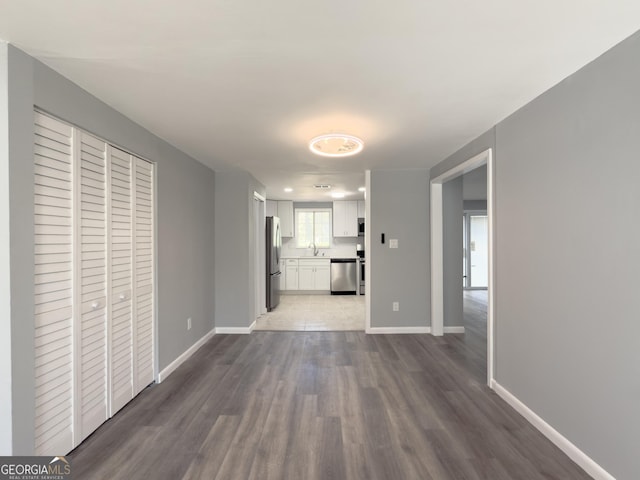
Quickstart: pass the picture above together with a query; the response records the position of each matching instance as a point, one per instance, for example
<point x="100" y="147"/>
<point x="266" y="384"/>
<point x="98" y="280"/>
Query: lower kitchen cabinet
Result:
<point x="314" y="274"/>
<point x="290" y="274"/>
<point x="306" y="274"/>
<point x="323" y="277"/>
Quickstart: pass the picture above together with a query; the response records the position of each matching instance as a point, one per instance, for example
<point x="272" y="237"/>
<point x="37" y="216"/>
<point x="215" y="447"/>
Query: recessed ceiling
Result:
<point x="248" y="84"/>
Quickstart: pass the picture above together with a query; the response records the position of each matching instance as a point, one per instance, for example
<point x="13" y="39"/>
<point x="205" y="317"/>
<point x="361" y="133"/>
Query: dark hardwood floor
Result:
<point x="322" y="405"/>
<point x="471" y="348"/>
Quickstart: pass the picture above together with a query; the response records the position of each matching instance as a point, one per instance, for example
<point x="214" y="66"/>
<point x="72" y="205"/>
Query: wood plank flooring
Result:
<point x="321" y="405"/>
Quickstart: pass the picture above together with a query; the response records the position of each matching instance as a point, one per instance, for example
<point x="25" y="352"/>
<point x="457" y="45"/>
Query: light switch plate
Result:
<point x="393" y="243"/>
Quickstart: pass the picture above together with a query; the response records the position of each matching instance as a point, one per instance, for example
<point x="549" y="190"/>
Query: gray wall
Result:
<point x="477" y="205"/>
<point x="185" y="224"/>
<point x="234" y="238"/>
<point x="567" y="230"/>
<point x="399" y="208"/>
<point x="452" y="212"/>
<point x="5" y="259"/>
<point x="474" y="184"/>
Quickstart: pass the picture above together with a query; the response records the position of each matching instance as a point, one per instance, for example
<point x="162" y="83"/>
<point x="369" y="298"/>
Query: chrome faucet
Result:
<point x="315" y="249"/>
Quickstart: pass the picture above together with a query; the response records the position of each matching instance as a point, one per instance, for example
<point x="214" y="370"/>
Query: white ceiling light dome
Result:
<point x="336" y="145"/>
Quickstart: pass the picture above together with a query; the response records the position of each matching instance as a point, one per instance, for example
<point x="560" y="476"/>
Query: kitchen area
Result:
<point x="315" y="266"/>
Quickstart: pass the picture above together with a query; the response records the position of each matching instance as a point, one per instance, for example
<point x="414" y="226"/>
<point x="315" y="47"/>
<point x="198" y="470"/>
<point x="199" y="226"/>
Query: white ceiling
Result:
<point x="246" y="84"/>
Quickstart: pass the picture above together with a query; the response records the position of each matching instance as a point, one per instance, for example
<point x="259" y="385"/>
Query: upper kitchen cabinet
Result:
<point x="272" y="208"/>
<point x="345" y="218"/>
<point x="361" y="209"/>
<point x="285" y="212"/>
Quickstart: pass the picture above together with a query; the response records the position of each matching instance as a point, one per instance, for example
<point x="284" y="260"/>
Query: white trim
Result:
<point x="437" y="267"/>
<point x="169" y="369"/>
<point x="457" y="329"/>
<point x="573" y="452"/>
<point x="491" y="287"/>
<point x="259" y="197"/>
<point x="437" y="260"/>
<point x="397" y="330"/>
<point x="236" y="330"/>
<point x="367" y="250"/>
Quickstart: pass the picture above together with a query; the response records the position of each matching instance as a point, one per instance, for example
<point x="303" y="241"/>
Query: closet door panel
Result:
<point x="92" y="341"/>
<point x="53" y="342"/>
<point x="143" y="274"/>
<point x="121" y="279"/>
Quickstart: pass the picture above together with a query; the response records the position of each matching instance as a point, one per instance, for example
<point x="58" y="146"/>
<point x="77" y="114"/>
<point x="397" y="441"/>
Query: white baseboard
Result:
<point x="453" y="329"/>
<point x="394" y="330"/>
<point x="236" y="330"/>
<point x="168" y="370"/>
<point x="574" y="453"/>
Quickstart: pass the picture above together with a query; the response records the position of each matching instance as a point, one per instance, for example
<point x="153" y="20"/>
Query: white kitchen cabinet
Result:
<point x="323" y="277"/>
<point x="361" y="209"/>
<point x="271" y="208"/>
<point x="314" y="274"/>
<point x="285" y="212"/>
<point x="345" y="218"/>
<point x="291" y="274"/>
<point x="306" y="277"/>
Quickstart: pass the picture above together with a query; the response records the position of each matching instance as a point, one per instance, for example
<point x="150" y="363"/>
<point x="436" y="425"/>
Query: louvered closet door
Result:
<point x="121" y="281"/>
<point x="143" y="274"/>
<point x="92" y="344"/>
<point x="53" y="283"/>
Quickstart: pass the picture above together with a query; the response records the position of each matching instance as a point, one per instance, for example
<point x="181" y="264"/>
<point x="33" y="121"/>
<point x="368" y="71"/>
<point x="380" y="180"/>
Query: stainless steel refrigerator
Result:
<point x="274" y="246"/>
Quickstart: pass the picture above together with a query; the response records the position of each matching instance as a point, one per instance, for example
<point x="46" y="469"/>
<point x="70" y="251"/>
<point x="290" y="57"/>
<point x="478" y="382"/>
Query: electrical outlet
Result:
<point x="189" y="323"/>
<point x="396" y="306"/>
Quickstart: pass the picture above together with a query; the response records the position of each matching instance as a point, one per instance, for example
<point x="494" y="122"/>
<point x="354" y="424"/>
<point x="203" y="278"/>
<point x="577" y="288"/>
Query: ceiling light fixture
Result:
<point x="336" y="145"/>
<point x="361" y="189"/>
<point x="337" y="195"/>
<point x="288" y="189"/>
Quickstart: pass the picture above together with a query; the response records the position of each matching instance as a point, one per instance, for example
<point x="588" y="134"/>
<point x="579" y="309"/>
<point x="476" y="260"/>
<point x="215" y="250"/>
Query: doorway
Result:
<point x="475" y="250"/>
<point x="438" y="247"/>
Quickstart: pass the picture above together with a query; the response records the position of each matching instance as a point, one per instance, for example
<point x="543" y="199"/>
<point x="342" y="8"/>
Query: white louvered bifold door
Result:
<point x="121" y="280"/>
<point x="53" y="223"/>
<point x="93" y="282"/>
<point x="92" y="334"/>
<point x="143" y="275"/>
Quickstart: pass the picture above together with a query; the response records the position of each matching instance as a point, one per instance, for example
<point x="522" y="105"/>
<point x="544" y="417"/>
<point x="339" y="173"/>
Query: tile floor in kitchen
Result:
<point x="315" y="313"/>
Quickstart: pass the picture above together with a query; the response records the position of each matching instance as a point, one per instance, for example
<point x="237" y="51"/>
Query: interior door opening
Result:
<point x="480" y="301"/>
<point x="475" y="238"/>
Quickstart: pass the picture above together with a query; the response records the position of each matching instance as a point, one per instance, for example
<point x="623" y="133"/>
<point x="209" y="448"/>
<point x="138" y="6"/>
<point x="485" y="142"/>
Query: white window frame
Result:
<point x="314" y="210"/>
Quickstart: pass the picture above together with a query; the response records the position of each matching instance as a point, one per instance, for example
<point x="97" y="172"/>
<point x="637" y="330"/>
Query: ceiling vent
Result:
<point x="322" y="186"/>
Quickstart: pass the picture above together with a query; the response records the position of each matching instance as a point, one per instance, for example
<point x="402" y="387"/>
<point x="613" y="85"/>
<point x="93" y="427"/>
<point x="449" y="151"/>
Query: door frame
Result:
<point x="259" y="256"/>
<point x="437" y="249"/>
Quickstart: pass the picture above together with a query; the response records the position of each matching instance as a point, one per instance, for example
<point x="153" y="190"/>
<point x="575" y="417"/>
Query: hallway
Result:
<point x="318" y="405"/>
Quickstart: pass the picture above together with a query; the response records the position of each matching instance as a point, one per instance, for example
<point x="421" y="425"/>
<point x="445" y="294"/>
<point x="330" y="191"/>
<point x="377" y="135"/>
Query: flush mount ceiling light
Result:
<point x="336" y="145"/>
<point x="337" y="195"/>
<point x="288" y="189"/>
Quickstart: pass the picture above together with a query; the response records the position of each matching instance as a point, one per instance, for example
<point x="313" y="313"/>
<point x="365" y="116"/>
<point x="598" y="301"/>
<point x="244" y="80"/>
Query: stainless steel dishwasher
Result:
<point x="344" y="276"/>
